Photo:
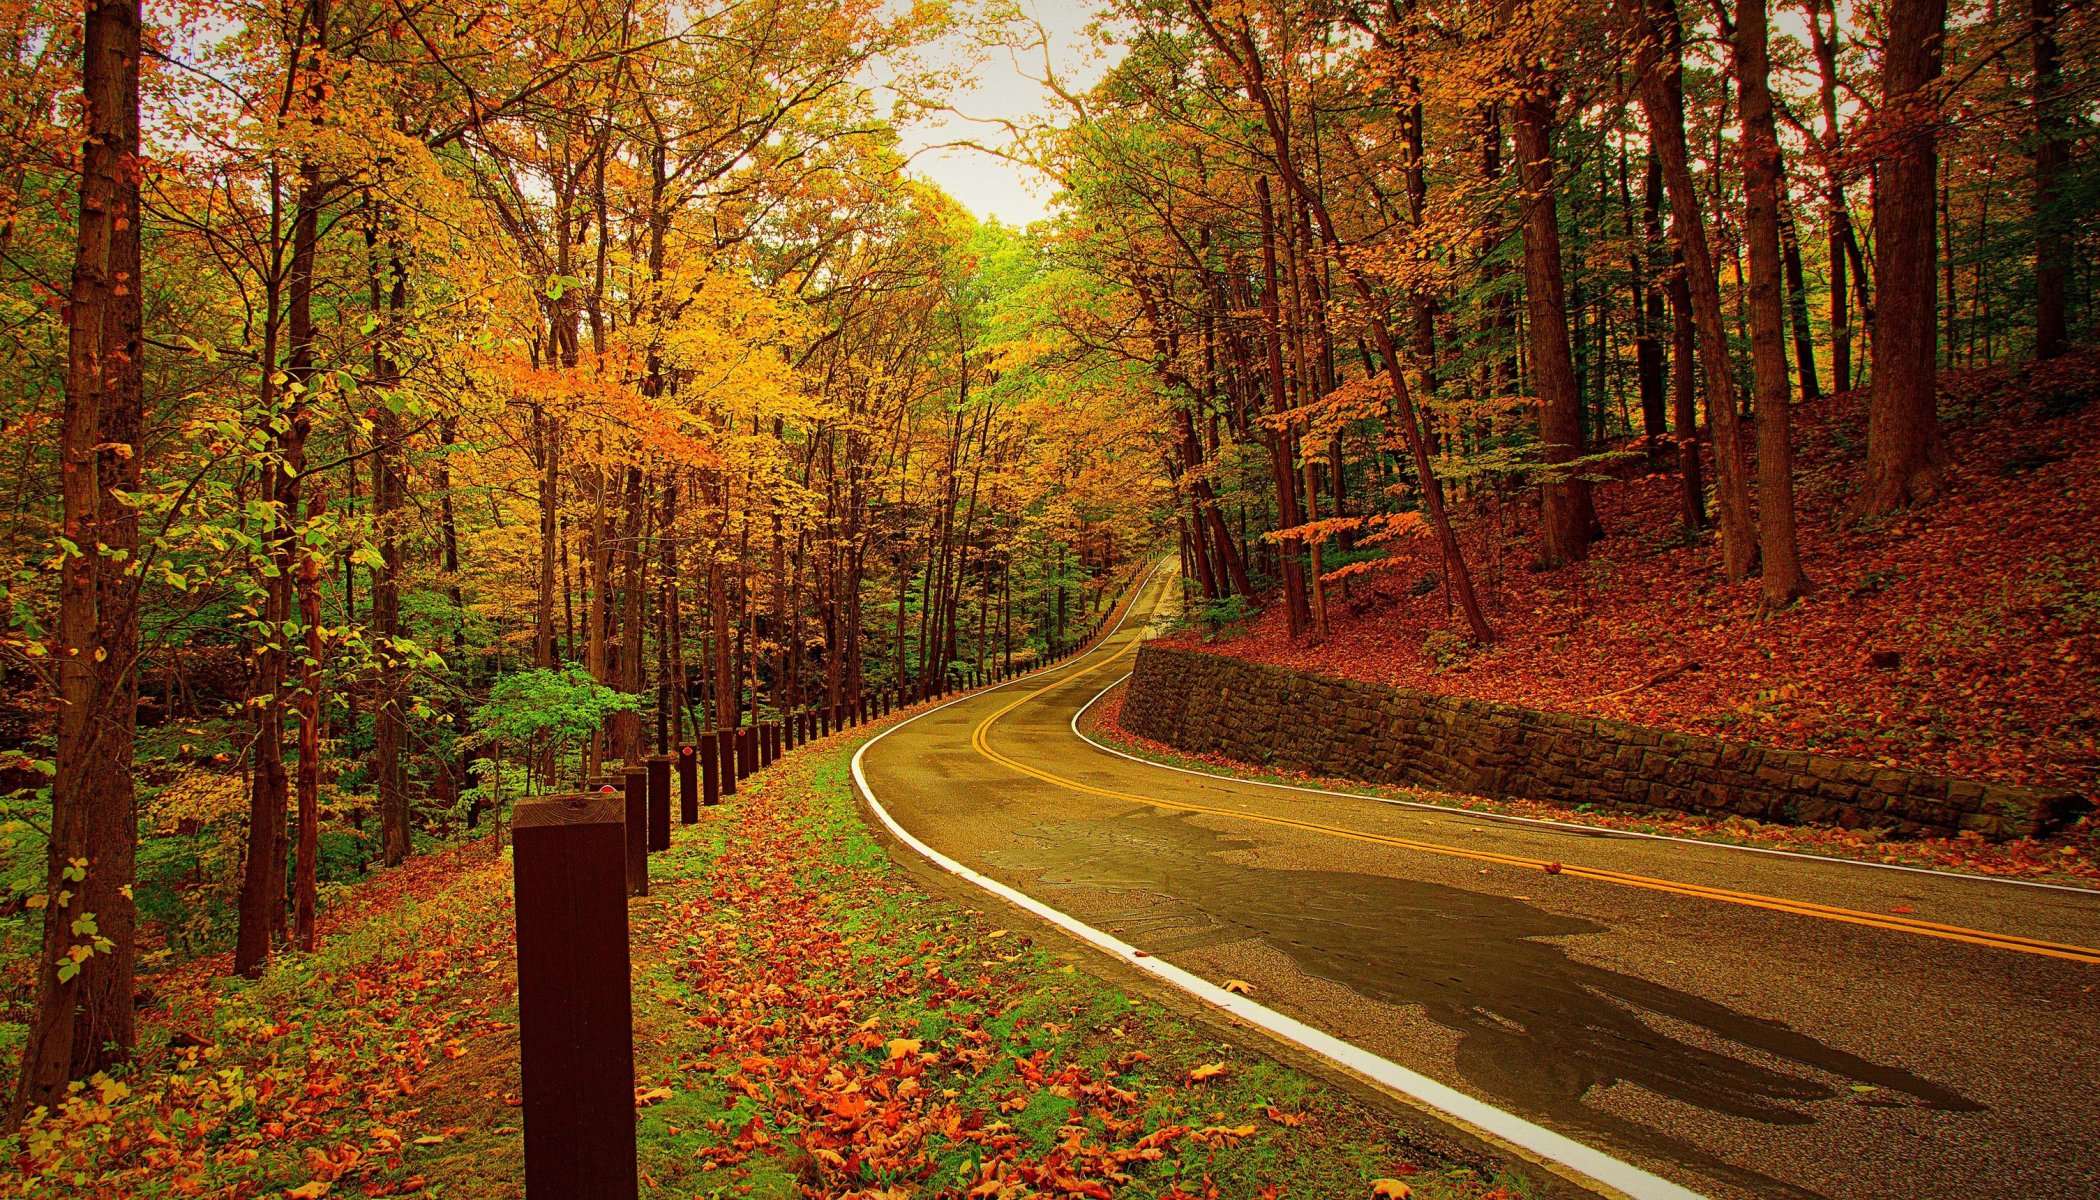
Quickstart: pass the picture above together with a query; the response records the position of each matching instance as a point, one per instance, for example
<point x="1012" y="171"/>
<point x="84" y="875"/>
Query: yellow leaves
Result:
<point x="644" y="1097"/>
<point x="903" y="1048"/>
<point x="1223" y="1135"/>
<point x="1239" y="987"/>
<point x="1207" y="1071"/>
<point x="309" y="1191"/>
<point x="1390" y="1189"/>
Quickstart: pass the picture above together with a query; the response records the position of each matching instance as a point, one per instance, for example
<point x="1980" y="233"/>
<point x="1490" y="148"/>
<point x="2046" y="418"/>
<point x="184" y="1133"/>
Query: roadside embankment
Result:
<point x="1217" y="704"/>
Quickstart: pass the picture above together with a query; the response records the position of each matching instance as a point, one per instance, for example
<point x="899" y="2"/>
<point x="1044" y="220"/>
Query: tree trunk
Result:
<point x="2052" y="156"/>
<point x="1657" y="59"/>
<point x="1903" y="426"/>
<point x="389" y="496"/>
<point x="1762" y="179"/>
<point x="1281" y="456"/>
<point x="83" y="1020"/>
<point x="1567" y="513"/>
<point x="1797" y="301"/>
<point x="308" y="708"/>
<point x="262" y="912"/>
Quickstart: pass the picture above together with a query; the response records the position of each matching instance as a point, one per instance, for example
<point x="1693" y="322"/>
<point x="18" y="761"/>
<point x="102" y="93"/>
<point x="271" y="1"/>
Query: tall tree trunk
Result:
<point x="1903" y="425"/>
<point x="1644" y="258"/>
<point x="1797" y="301"/>
<point x="1844" y="247"/>
<point x="632" y="616"/>
<point x="1657" y="59"/>
<point x="389" y="496"/>
<point x="2052" y="156"/>
<point x="308" y="708"/>
<point x="262" y="910"/>
<point x="550" y="432"/>
<point x="1567" y="517"/>
<point x="1281" y="455"/>
<point x="1763" y="176"/>
<point x="83" y="1016"/>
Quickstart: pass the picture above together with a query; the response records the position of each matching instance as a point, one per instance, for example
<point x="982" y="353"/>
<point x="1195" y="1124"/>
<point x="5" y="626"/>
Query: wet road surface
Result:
<point x="1706" y="1034"/>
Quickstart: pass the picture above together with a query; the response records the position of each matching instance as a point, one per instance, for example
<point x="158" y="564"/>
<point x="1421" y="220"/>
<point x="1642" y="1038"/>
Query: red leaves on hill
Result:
<point x="1960" y="638"/>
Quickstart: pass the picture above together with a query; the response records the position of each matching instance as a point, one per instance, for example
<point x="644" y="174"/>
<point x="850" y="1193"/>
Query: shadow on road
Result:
<point x="1538" y="1030"/>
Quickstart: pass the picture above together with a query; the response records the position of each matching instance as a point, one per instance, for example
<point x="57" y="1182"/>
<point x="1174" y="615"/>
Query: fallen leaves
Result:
<point x="1206" y="1072"/>
<point x="1973" y="615"/>
<point x="1239" y="987"/>
<point x="1390" y="1189"/>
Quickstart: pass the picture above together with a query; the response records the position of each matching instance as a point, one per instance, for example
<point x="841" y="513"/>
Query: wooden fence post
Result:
<point x="575" y="1013"/>
<point x="710" y="771"/>
<point x="658" y="767"/>
<point x="637" y="788"/>
<point x="725" y="745"/>
<point x="688" y="785"/>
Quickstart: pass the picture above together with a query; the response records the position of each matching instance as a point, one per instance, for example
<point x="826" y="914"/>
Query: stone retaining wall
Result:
<point x="1209" y="703"/>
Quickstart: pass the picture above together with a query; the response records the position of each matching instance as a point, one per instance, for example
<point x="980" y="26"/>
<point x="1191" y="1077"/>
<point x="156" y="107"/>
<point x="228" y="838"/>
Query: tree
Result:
<point x="1763" y="182"/>
<point x="1903" y="426"/>
<point x="83" y="1018"/>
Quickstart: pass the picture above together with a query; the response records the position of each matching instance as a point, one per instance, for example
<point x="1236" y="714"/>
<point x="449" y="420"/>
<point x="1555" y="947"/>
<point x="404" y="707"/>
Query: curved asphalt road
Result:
<point x="1700" y="1018"/>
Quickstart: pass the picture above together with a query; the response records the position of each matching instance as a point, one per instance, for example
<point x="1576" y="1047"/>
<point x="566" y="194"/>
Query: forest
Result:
<point x="410" y="409"/>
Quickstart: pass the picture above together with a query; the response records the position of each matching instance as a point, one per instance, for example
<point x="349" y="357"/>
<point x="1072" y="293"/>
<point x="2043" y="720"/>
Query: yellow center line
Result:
<point x="979" y="740"/>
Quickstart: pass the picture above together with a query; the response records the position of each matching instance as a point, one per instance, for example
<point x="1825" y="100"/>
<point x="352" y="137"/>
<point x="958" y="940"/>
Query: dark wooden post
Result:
<point x="575" y="1013"/>
<point x="658" y="768"/>
<point x="710" y="770"/>
<point x="637" y="788"/>
<point x="788" y="730"/>
<point x="824" y="720"/>
<point x="725" y="745"/>
<point x="688" y="785"/>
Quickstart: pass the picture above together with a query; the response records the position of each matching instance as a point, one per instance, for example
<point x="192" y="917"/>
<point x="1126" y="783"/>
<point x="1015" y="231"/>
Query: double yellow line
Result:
<point x="980" y="741"/>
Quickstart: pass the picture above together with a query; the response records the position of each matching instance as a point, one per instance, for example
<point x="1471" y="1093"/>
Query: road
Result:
<point x="1740" y="1024"/>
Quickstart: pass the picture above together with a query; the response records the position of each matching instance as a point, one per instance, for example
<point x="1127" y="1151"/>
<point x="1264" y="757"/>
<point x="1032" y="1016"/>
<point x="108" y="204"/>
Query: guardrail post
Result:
<point x="788" y="730"/>
<point x="710" y="770"/>
<point x="725" y="745"/>
<point x="658" y="769"/>
<point x="636" y="781"/>
<point x="688" y="785"/>
<point x="575" y="1012"/>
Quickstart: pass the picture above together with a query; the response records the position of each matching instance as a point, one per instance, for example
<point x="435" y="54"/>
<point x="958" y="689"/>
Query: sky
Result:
<point x="1003" y="88"/>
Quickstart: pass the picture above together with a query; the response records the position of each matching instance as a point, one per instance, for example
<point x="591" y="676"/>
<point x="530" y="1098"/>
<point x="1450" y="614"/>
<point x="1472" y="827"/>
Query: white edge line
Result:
<point x="1548" y="823"/>
<point x="1622" y="1177"/>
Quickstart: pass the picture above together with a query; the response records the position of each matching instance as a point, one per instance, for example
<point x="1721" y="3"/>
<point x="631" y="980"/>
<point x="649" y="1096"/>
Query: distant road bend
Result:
<point x="1661" y="1017"/>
